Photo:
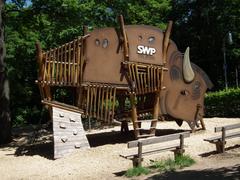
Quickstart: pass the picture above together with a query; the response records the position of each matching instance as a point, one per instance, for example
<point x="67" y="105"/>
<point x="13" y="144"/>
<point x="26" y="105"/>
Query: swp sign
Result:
<point x="146" y="50"/>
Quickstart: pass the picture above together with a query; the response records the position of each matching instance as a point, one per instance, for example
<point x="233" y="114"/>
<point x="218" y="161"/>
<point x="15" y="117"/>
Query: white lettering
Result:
<point x="145" y="50"/>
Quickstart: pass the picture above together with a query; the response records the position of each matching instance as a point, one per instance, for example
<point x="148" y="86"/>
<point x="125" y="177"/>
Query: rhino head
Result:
<point x="185" y="86"/>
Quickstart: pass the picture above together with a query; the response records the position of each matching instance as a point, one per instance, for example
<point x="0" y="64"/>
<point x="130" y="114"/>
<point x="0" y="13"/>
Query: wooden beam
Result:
<point x="229" y="127"/>
<point x="158" y="139"/>
<point x="166" y="41"/>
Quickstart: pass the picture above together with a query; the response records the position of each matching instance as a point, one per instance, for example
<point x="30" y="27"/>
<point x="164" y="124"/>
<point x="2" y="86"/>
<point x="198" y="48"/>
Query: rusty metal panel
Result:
<point x="103" y="57"/>
<point x="145" y="44"/>
<point x="68" y="132"/>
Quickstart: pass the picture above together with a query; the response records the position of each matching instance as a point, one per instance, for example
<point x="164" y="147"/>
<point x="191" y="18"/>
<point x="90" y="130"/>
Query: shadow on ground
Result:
<point x="42" y="149"/>
<point x="232" y="173"/>
<point x="29" y="142"/>
<point x="207" y="154"/>
<point x="116" y="137"/>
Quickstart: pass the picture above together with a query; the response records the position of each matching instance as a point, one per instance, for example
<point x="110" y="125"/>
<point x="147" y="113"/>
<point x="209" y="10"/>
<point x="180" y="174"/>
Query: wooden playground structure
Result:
<point x="138" y="63"/>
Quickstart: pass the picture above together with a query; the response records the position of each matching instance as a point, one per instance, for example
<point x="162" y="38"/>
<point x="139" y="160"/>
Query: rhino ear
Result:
<point x="188" y="74"/>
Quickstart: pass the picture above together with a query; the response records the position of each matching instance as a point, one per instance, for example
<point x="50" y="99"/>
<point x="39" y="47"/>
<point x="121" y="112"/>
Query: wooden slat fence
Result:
<point x="63" y="65"/>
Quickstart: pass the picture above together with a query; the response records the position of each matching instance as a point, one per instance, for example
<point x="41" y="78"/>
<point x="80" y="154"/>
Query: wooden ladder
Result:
<point x="137" y="123"/>
<point x="139" y="129"/>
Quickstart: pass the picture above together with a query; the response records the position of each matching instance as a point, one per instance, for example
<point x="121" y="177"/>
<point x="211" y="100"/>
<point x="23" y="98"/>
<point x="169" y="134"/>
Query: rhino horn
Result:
<point x="188" y="74"/>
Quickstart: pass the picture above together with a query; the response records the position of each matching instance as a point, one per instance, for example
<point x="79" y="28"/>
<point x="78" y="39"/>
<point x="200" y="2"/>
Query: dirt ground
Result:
<point x="29" y="156"/>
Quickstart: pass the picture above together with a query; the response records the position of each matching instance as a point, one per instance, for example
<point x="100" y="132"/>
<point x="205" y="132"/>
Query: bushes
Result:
<point x="225" y="103"/>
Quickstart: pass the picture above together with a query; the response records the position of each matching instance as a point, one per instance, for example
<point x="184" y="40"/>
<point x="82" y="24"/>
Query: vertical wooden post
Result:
<point x="180" y="150"/>
<point x="139" y="154"/>
<point x="166" y="40"/>
<point x="223" y="139"/>
<point x="181" y="142"/>
<point x="124" y="36"/>
<point x="155" y="113"/>
<point x="134" y="114"/>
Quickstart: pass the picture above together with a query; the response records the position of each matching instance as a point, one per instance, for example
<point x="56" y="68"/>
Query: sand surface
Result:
<point x="29" y="156"/>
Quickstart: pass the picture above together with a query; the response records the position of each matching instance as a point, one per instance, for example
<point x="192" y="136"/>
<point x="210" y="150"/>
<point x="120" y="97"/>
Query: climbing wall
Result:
<point x="68" y="132"/>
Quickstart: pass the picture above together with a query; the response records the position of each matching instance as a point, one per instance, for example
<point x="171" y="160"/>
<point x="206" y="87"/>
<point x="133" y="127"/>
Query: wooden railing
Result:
<point x="63" y="65"/>
<point x="146" y="78"/>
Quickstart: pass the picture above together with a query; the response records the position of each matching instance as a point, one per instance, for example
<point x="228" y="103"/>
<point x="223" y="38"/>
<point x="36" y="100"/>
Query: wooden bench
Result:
<point x="137" y="157"/>
<point x="220" y="140"/>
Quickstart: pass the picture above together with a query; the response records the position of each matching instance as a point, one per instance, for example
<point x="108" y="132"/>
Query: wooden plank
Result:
<point x="110" y="104"/>
<point x="114" y="102"/>
<point x="166" y="41"/>
<point x="106" y="104"/>
<point x="65" y="64"/>
<point x="99" y="101"/>
<point x="138" y="90"/>
<point x="62" y="106"/>
<point x="91" y="101"/>
<point x="78" y="71"/>
<point x="152" y="79"/>
<point x="146" y="120"/>
<point x="151" y="151"/>
<point x="71" y="145"/>
<point x="53" y="65"/>
<point x="73" y="61"/>
<point x="95" y="101"/>
<point x="159" y="139"/>
<point x="229" y="127"/>
<point x="69" y="63"/>
<point x="71" y="136"/>
<point x="87" y="105"/>
<point x="125" y="40"/>
<point x="217" y="138"/>
<point x="102" y="102"/>
<point x="57" y="66"/>
<point x="149" y="78"/>
<point x="61" y="65"/>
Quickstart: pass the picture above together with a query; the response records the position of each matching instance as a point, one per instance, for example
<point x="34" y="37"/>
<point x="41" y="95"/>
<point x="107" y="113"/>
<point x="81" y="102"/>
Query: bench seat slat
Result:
<point x="151" y="151"/>
<point x="219" y="137"/>
<point x="159" y="139"/>
<point x="229" y="127"/>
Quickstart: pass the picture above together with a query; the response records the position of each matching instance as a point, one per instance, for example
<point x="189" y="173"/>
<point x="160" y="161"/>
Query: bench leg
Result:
<point x="178" y="152"/>
<point x="124" y="127"/>
<point x="220" y="146"/>
<point x="137" y="162"/>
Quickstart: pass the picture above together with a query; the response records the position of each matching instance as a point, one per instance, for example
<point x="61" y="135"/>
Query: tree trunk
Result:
<point x="5" y="120"/>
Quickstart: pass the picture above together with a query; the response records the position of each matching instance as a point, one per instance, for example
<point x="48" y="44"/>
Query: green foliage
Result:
<point x="224" y="103"/>
<point x="203" y="26"/>
<point x="172" y="164"/>
<point x="54" y="22"/>
<point x="198" y="24"/>
<point x="137" y="171"/>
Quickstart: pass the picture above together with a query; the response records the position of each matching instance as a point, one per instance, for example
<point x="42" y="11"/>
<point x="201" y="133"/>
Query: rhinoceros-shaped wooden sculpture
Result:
<point x="137" y="62"/>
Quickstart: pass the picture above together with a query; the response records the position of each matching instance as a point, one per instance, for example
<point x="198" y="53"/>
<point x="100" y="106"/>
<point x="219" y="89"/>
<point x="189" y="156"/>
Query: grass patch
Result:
<point x="184" y="161"/>
<point x="164" y="165"/>
<point x="172" y="164"/>
<point x="137" y="171"/>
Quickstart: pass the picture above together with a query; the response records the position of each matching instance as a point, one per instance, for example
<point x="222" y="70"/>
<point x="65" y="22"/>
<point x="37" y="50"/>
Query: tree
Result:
<point x="5" y="120"/>
<point x="202" y="25"/>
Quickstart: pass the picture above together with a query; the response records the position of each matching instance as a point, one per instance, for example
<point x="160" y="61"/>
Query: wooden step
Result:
<point x="145" y="135"/>
<point x="151" y="128"/>
<point x="146" y="120"/>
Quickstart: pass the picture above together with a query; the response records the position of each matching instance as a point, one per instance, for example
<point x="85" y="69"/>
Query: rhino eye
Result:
<point x="151" y="39"/>
<point x="174" y="73"/>
<point x="196" y="90"/>
<point x="97" y="42"/>
<point x="105" y="43"/>
<point x="196" y="85"/>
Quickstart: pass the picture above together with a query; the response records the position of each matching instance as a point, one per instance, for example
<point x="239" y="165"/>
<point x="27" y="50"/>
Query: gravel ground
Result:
<point x="31" y="158"/>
